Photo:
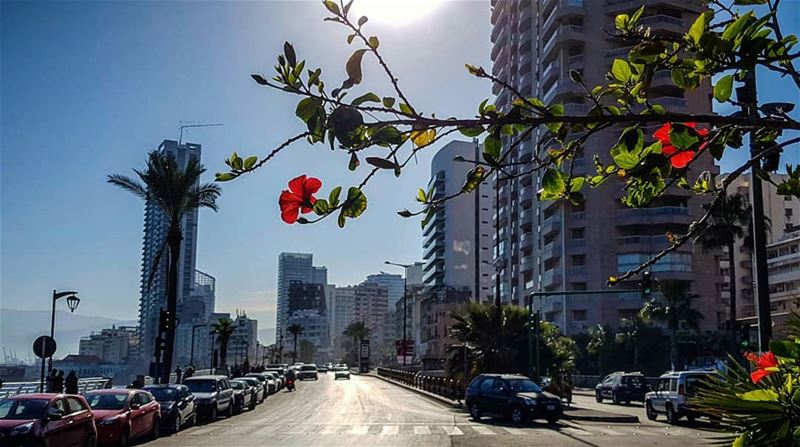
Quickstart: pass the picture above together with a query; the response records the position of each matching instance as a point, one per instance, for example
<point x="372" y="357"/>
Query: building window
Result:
<point x="578" y="260"/>
<point x="672" y="262"/>
<point x="788" y="212"/>
<point x="578" y="233"/>
<point x="579" y="315"/>
<point x="579" y="286"/>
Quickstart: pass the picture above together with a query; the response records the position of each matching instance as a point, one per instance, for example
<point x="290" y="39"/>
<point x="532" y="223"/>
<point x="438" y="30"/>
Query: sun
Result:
<point x="394" y="12"/>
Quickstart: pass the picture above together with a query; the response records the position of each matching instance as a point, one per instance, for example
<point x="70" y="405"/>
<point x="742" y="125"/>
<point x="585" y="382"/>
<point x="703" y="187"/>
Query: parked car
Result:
<point x="47" y="419"/>
<point x="272" y="381"/>
<point x="244" y="395"/>
<point x="265" y="380"/>
<point x="341" y="372"/>
<point x="307" y="372"/>
<point x="673" y="395"/>
<point x="261" y="389"/>
<point x="322" y="369"/>
<point x="281" y="372"/>
<point x="277" y="366"/>
<point x="178" y="407"/>
<point x="513" y="396"/>
<point x="213" y="395"/>
<point x="621" y="387"/>
<point x="124" y="415"/>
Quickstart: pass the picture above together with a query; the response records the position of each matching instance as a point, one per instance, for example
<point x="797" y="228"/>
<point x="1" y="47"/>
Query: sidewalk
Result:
<point x="571" y="412"/>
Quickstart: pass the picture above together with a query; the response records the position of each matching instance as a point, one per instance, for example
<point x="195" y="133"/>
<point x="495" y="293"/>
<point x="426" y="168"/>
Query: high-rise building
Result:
<point x="156" y="225"/>
<point x="113" y="345"/>
<point x="319" y="275"/>
<point x="393" y="283"/>
<point x="415" y="274"/>
<point x="370" y="307"/>
<point x="291" y="267"/>
<point x="553" y="245"/>
<point x="458" y="239"/>
<point x="205" y="286"/>
<point x="243" y="343"/>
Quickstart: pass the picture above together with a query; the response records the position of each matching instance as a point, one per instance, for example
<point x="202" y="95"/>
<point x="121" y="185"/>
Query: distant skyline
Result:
<point x="88" y="88"/>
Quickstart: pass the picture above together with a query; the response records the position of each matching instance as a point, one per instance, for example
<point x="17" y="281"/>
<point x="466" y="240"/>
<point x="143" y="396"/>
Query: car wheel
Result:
<point x="156" y="431"/>
<point x="213" y="415"/>
<point x="552" y="420"/>
<point x="672" y="416"/>
<point x="193" y="421"/>
<point x="598" y="397"/>
<point x="615" y="398"/>
<point x="517" y="416"/>
<point x="178" y="423"/>
<point x="691" y="419"/>
<point x="123" y="438"/>
<point x="253" y="403"/>
<point x="229" y="413"/>
<point x="651" y="413"/>
<point x="475" y="412"/>
<point x="91" y="441"/>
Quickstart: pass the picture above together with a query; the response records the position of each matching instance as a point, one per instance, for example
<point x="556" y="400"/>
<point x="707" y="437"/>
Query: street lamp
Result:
<point x="72" y="304"/>
<point x="405" y="303"/>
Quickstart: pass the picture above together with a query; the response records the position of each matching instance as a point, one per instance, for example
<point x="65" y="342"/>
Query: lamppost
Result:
<point x="72" y="304"/>
<point x="191" y="351"/>
<point x="405" y="303"/>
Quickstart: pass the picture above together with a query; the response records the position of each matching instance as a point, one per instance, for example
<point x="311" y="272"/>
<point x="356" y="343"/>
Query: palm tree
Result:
<point x="176" y="192"/>
<point x="359" y="331"/>
<point x="224" y="329"/>
<point x="674" y="311"/>
<point x="598" y="341"/>
<point x="296" y="330"/>
<point x="730" y="219"/>
<point x="628" y="334"/>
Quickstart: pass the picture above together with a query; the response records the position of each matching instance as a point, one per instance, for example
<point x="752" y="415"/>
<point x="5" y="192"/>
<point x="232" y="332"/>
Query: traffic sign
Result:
<point x="44" y="346"/>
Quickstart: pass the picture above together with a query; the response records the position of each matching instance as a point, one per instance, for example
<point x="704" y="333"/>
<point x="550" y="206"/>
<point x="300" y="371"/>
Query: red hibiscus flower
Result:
<point x="298" y="198"/>
<point x="766" y="364"/>
<point x="679" y="159"/>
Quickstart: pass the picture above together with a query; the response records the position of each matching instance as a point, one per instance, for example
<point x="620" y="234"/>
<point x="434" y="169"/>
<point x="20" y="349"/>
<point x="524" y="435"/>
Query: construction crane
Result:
<point x="188" y="124"/>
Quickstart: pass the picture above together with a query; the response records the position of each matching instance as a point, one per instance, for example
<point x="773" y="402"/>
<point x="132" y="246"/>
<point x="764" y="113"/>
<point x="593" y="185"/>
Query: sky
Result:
<point x="88" y="88"/>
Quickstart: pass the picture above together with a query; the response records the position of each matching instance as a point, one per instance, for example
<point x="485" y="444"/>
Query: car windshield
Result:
<point x="237" y="385"/>
<point x="22" y="408"/>
<point x="201" y="386"/>
<point x="308" y="368"/>
<point x="277" y="371"/>
<point x="523" y="386"/>
<point x="696" y="382"/>
<point x="107" y="401"/>
<point x="163" y="394"/>
<point x="633" y="380"/>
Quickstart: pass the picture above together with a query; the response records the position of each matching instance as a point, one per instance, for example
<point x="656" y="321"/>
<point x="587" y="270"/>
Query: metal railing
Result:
<point x="84" y="385"/>
<point x="446" y="387"/>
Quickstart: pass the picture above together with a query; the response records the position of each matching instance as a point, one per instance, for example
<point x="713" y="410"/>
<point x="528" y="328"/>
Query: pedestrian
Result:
<point x="58" y="382"/>
<point x="71" y="383"/>
<point x="178" y="374"/>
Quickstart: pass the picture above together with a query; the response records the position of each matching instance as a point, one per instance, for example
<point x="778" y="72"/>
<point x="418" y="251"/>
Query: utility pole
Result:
<point x="748" y="97"/>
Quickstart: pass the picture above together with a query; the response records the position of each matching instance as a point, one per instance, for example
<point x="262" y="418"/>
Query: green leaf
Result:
<point x="474" y="178"/>
<point x="332" y="6"/>
<point x="307" y="108"/>
<point x="224" y="176"/>
<point x="344" y="121"/>
<point x="428" y="216"/>
<point x="259" y="79"/>
<point x="723" y="88"/>
<point x="422" y="197"/>
<point x="626" y="160"/>
<point x="362" y="20"/>
<point x="682" y="137"/>
<point x="355" y="204"/>
<point x="733" y="29"/>
<point x="740" y="441"/>
<point x="288" y="51"/>
<point x="786" y="349"/>
<point x="577" y="184"/>
<point x="491" y="149"/>
<point x="249" y="162"/>
<point x="471" y="131"/>
<point x="373" y="42"/>
<point x="340" y="220"/>
<point x="381" y="163"/>
<point x="761" y="395"/>
<point x="236" y="161"/>
<point x="388" y="102"/>
<point x="333" y="197"/>
<point x="553" y="184"/>
<point x="407" y="109"/>
<point x="387" y="135"/>
<point x="405" y="213"/>
<point x="699" y="27"/>
<point x="353" y="66"/>
<point x="350" y="38"/>
<point x="621" y="70"/>
<point x="621" y="21"/>
<point x="321" y="207"/>
<point x="366" y="97"/>
<point x="353" y="162"/>
<point x="636" y="15"/>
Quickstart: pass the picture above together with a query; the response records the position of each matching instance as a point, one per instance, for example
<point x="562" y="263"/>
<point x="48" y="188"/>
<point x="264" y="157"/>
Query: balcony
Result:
<point x="614" y="7"/>
<point x="647" y="244"/>
<point x="671" y="103"/>
<point x="675" y="215"/>
<point x="661" y="22"/>
<point x="498" y="10"/>
<point x="563" y="34"/>
<point x="526" y="240"/>
<point x="526" y="264"/>
<point x="526" y="193"/>
<point x="551" y="251"/>
<point x="551" y="278"/>
<point x="550" y="226"/>
<point x="552" y="70"/>
<point x="502" y="40"/>
<point x="526" y="217"/>
<point x="564" y="9"/>
<point x="498" y="27"/>
<point x="618" y="53"/>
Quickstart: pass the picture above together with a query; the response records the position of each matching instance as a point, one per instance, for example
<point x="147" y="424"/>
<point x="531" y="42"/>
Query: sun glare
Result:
<point x="394" y="12"/>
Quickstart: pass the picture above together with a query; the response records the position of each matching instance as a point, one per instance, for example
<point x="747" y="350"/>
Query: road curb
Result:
<point x="436" y="397"/>
<point x="610" y="417"/>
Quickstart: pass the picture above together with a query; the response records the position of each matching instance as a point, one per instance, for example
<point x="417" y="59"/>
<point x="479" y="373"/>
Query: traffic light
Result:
<point x="645" y="284"/>
<point x="744" y="337"/>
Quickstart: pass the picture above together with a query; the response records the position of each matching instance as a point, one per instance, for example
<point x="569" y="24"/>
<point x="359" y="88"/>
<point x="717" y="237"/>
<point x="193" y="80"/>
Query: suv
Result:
<point x="621" y="387"/>
<point x="673" y="395"/>
<point x="213" y="395"/>
<point x="511" y="395"/>
<point x="307" y="372"/>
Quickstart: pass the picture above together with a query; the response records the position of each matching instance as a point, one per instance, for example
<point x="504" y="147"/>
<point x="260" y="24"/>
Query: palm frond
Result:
<point x="128" y="184"/>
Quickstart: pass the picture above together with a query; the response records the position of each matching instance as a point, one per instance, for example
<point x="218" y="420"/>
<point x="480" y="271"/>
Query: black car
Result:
<point x="177" y="405"/>
<point x="213" y="395"/>
<point x="244" y="395"/>
<point x="513" y="396"/>
<point x="621" y="387"/>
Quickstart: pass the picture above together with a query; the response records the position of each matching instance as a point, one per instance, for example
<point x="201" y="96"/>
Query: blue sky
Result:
<point x="89" y="87"/>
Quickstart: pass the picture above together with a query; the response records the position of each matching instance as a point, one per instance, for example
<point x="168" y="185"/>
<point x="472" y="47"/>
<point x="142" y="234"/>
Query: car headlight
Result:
<point x="529" y="401"/>
<point x="109" y="421"/>
<point x="23" y="429"/>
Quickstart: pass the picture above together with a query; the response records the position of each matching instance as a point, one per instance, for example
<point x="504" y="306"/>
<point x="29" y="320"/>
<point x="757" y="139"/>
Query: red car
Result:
<point x="46" y="419"/>
<point x="122" y="415"/>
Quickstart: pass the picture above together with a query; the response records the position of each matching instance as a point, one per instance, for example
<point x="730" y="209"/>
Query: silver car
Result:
<point x="673" y="394"/>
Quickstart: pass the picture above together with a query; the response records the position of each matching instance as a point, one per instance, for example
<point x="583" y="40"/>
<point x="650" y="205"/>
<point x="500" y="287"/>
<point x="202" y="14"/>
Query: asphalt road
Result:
<point x="367" y="411"/>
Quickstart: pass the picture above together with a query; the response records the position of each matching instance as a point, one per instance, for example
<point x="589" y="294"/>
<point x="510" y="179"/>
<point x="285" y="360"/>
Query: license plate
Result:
<point x="551" y="407"/>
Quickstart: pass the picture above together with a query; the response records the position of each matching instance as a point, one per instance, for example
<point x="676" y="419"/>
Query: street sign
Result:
<point x="364" y="363"/>
<point x="409" y="348"/>
<point x="44" y="347"/>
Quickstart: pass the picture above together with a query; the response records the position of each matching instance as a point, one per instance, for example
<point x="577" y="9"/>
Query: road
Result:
<point x="367" y="411"/>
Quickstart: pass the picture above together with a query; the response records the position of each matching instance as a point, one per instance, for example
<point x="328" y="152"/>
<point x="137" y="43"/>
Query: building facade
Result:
<point x="291" y="267"/>
<point x="153" y="293"/>
<point x="243" y="344"/>
<point x="370" y="307"/>
<point x="435" y="323"/>
<point x="458" y="240"/>
<point x="394" y="283"/>
<point x="113" y="345"/>
<point x="553" y="245"/>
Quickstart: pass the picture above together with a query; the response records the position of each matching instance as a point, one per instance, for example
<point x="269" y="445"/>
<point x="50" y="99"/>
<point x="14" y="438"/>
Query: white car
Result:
<point x="341" y="372"/>
<point x="673" y="394"/>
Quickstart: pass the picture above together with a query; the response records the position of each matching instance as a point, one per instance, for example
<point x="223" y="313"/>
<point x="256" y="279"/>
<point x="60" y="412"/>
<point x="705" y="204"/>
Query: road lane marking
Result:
<point x="574" y="431"/>
<point x="359" y="430"/>
<point x="483" y="430"/>
<point x="514" y="431"/>
<point x="390" y="430"/>
<point x="452" y="430"/>
<point x="329" y="430"/>
<point x="422" y="430"/>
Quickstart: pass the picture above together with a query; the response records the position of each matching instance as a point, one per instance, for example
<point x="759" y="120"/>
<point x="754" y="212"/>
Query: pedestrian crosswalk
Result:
<point x="452" y="429"/>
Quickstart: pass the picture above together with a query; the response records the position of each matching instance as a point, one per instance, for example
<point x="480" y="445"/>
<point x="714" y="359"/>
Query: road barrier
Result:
<point x="84" y="385"/>
<point x="446" y="387"/>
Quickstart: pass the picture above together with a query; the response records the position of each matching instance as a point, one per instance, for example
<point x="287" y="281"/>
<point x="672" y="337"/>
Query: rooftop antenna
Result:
<point x="187" y="124"/>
